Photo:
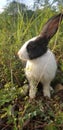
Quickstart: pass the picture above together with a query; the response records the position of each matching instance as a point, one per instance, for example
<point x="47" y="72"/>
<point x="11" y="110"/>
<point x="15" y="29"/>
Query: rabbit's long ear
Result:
<point x="51" y="27"/>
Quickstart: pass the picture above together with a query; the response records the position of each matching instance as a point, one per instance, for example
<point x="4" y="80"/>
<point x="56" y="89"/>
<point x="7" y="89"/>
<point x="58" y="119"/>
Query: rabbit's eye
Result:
<point x="30" y="45"/>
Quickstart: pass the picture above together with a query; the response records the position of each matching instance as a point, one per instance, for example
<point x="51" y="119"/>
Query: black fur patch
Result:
<point x="37" y="47"/>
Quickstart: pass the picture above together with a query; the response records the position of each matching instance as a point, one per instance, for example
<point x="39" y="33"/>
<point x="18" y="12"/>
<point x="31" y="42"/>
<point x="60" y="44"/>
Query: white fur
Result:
<point x="22" y="53"/>
<point x="41" y="69"/>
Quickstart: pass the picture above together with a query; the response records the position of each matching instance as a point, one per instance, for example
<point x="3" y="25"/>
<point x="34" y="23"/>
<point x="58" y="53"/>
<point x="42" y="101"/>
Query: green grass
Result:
<point x="41" y="113"/>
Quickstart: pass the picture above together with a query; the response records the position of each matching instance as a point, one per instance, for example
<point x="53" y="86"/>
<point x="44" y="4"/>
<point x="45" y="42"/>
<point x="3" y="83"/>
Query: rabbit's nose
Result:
<point x="22" y="53"/>
<point x="18" y="53"/>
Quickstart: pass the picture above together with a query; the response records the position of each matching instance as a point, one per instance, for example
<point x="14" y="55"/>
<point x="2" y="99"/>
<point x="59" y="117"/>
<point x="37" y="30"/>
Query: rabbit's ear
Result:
<point x="50" y="28"/>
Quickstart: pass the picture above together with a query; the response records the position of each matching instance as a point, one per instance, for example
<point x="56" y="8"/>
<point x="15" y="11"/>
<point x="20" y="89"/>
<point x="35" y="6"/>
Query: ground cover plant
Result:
<point x="17" y="25"/>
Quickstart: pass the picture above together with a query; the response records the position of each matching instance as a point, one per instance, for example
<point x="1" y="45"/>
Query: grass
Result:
<point x="16" y="111"/>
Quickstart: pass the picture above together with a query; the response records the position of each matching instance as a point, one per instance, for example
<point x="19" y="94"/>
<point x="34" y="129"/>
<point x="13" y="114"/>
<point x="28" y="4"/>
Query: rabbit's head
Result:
<point x="37" y="46"/>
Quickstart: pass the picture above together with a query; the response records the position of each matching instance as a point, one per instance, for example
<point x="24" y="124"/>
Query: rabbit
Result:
<point x="41" y="65"/>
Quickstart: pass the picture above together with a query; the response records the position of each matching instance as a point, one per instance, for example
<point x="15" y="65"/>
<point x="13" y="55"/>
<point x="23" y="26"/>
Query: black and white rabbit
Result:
<point x="41" y="65"/>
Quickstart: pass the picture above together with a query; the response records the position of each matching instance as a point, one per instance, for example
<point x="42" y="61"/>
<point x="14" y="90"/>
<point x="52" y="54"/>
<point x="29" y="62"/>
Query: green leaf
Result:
<point x="51" y="126"/>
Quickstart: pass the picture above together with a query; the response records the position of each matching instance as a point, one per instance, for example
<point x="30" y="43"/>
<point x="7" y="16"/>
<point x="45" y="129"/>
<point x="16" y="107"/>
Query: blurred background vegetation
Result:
<point x="18" y="23"/>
